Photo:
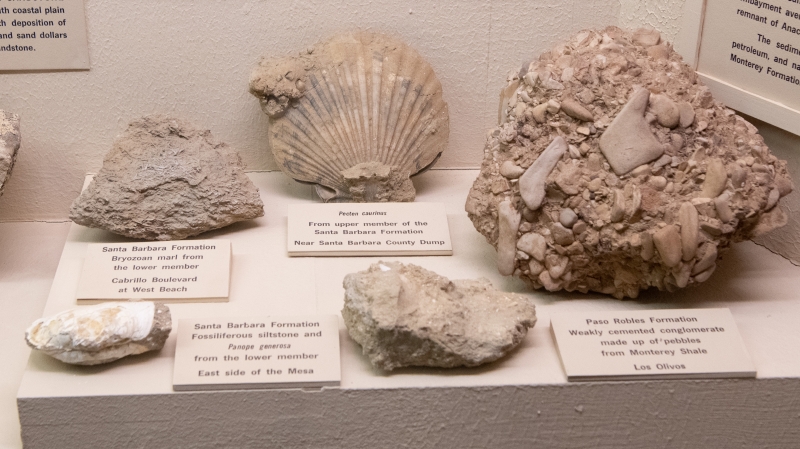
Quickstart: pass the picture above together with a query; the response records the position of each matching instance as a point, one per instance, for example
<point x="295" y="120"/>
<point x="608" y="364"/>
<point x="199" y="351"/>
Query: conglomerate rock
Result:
<point x="613" y="170"/>
<point x="404" y="315"/>
<point x="167" y="180"/>
<point x="103" y="333"/>
<point x="9" y="144"/>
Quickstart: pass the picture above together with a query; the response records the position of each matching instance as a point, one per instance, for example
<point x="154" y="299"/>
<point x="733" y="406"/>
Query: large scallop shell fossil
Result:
<point x="356" y="116"/>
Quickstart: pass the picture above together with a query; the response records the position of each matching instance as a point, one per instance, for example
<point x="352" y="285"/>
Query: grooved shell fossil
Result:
<point x="356" y="116"/>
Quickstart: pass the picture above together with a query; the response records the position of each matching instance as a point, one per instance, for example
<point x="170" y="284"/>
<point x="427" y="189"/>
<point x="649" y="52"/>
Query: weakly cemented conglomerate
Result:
<point x="614" y="169"/>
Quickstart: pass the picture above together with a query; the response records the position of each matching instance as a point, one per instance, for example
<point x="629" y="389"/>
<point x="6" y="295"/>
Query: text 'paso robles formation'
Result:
<point x="659" y="343"/>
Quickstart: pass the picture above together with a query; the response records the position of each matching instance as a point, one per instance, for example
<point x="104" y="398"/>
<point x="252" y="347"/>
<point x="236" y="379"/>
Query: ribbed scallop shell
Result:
<point x="354" y="99"/>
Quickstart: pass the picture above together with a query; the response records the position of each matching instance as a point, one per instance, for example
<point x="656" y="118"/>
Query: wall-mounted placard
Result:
<point x="172" y="271"/>
<point x="650" y="344"/>
<point x="43" y="35"/>
<point x="368" y="229"/>
<point x="748" y="52"/>
<point x="266" y="352"/>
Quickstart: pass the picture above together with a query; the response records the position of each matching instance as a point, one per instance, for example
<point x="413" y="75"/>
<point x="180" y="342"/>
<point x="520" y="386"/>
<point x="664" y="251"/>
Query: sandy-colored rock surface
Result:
<point x="404" y="315"/>
<point x="657" y="178"/>
<point x="167" y="180"/>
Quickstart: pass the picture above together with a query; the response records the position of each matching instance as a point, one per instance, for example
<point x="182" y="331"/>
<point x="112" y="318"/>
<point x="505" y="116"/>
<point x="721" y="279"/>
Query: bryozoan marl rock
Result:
<point x="9" y="144"/>
<point x="167" y="180"/>
<point x="404" y="315"/>
<point x="613" y="170"/>
<point x="103" y="333"/>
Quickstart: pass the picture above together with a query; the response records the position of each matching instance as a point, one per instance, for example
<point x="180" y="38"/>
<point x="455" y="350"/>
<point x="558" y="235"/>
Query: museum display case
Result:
<point x="141" y="64"/>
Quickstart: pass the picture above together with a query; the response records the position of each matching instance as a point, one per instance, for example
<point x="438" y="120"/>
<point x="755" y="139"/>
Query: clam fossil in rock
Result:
<point x="101" y="333"/>
<point x="356" y="116"/>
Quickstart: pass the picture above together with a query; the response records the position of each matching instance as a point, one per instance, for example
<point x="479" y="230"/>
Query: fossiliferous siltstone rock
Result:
<point x="404" y="315"/>
<point x="356" y="116"/>
<point x="613" y="170"/>
<point x="167" y="180"/>
<point x="9" y="144"/>
<point x="103" y="333"/>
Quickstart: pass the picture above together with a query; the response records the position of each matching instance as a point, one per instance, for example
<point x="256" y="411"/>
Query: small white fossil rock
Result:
<point x="103" y="333"/>
<point x="404" y="315"/>
<point x="9" y="144"/>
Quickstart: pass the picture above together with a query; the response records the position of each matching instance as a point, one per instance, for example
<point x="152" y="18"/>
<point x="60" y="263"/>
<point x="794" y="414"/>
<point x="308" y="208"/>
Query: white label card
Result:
<point x="269" y="352"/>
<point x="651" y="344"/>
<point x="43" y="35"/>
<point x="754" y="45"/>
<point x="368" y="229"/>
<point x="186" y="270"/>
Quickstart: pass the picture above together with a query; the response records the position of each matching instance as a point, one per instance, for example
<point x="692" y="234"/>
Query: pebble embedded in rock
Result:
<point x="507" y="242"/>
<point x="574" y="109"/>
<point x="540" y="113"/>
<point x="568" y="217"/>
<point x="628" y="141"/>
<point x="667" y="241"/>
<point x="404" y="315"/>
<point x="531" y="183"/>
<point x="533" y="244"/>
<point x="646" y="37"/>
<point x="688" y="219"/>
<point x="666" y="111"/>
<point x="723" y="208"/>
<point x="511" y="170"/>
<point x="686" y="112"/>
<point x="716" y="179"/>
<point x="563" y="236"/>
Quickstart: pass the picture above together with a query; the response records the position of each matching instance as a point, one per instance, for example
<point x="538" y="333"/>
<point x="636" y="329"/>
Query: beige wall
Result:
<point x="192" y="59"/>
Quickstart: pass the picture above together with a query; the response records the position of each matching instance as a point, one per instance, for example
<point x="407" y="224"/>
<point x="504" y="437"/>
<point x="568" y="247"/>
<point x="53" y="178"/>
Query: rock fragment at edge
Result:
<point x="164" y="179"/>
<point x="9" y="144"/>
<point x="404" y="315"/>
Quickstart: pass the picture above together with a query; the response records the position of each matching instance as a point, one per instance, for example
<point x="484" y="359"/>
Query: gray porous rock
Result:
<point x="167" y="180"/>
<point x="9" y="144"/>
<point x="103" y="333"/>
<point x="404" y="315"/>
<point x="633" y="176"/>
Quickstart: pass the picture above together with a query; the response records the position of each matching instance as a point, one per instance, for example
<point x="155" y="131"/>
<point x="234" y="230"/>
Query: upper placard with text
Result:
<point x="43" y="35"/>
<point x="754" y="45"/>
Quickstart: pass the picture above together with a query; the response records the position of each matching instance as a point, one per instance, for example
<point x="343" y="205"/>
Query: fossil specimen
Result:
<point x="404" y="315"/>
<point x="613" y="170"/>
<point x="9" y="144"/>
<point x="103" y="333"/>
<point x="356" y="116"/>
<point x="166" y="180"/>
